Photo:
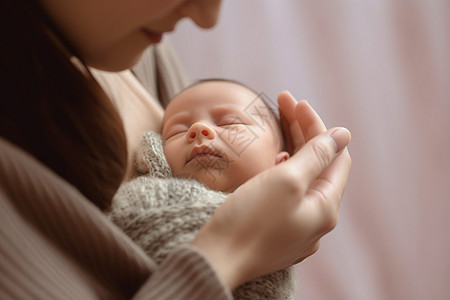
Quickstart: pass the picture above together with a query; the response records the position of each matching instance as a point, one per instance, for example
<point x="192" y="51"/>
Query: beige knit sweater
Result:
<point x="160" y="212"/>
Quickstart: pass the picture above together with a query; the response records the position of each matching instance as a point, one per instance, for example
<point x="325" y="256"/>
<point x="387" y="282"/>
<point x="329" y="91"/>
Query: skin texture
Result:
<point x="110" y="35"/>
<point x="276" y="218"/>
<point x="228" y="121"/>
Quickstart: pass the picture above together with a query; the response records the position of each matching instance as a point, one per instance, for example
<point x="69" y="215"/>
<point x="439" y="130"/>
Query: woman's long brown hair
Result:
<point x="53" y="111"/>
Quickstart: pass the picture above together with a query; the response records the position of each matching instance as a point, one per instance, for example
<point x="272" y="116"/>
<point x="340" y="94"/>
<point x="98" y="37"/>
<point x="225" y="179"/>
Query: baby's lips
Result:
<point x="203" y="150"/>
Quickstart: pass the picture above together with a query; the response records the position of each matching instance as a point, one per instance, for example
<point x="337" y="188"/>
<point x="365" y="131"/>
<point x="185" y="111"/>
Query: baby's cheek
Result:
<point x="174" y="166"/>
<point x="170" y="157"/>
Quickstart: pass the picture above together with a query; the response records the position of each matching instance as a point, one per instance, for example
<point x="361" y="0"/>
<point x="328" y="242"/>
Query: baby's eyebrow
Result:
<point x="227" y="108"/>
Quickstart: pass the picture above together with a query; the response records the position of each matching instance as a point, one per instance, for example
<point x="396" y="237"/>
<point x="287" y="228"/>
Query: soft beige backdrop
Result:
<point x="382" y="69"/>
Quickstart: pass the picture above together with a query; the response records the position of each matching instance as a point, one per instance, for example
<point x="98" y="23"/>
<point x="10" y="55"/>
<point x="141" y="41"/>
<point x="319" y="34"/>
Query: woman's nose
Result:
<point x="199" y="131"/>
<point x="204" y="13"/>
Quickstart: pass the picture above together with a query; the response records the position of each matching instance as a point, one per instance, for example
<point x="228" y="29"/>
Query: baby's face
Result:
<point x="220" y="134"/>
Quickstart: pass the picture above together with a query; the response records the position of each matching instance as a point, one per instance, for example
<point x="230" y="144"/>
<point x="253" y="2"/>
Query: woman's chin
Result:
<point x="114" y="64"/>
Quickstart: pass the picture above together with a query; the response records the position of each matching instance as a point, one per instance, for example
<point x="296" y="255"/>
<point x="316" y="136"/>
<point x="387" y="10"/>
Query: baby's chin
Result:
<point x="211" y="179"/>
<point x="229" y="189"/>
<point x="225" y="188"/>
<point x="217" y="183"/>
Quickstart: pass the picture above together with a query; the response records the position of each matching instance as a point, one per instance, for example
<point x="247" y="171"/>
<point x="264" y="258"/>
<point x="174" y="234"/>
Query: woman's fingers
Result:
<point x="326" y="192"/>
<point x="293" y="134"/>
<point x="309" y="121"/>
<point x="317" y="155"/>
<point x="299" y="121"/>
<point x="337" y="174"/>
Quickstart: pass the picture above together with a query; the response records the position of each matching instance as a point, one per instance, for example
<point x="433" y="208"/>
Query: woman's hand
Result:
<point x="277" y="218"/>
<point x="299" y="121"/>
<point x="300" y="124"/>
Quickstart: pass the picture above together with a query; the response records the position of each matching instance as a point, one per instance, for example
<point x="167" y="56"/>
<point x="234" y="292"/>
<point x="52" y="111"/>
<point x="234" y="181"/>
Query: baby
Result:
<point x="216" y="135"/>
<point x="221" y="133"/>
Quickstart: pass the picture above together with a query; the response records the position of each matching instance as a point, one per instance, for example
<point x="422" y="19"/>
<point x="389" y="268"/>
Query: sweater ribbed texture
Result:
<point x="56" y="245"/>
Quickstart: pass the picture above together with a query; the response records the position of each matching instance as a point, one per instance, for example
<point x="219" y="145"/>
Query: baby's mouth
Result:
<point x="204" y="152"/>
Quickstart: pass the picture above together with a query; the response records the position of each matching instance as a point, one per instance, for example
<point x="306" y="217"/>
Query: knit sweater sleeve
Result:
<point x="58" y="245"/>
<point x="185" y="274"/>
<point x="161" y="213"/>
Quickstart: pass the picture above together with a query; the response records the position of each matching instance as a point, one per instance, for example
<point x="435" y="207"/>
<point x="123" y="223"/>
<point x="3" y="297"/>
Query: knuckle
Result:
<point x="327" y="209"/>
<point x="330" y="223"/>
<point x="322" y="154"/>
<point x="291" y="183"/>
<point x="330" y="218"/>
<point x="315" y="248"/>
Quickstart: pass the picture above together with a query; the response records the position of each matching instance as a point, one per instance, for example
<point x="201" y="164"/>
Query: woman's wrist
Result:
<point x="219" y="251"/>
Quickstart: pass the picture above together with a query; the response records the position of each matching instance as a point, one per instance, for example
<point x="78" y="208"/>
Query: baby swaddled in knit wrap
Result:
<point x="160" y="212"/>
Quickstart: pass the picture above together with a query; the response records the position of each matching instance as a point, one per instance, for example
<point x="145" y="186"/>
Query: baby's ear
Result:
<point x="281" y="156"/>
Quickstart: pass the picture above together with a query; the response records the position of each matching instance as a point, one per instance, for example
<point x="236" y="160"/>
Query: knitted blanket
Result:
<point x="160" y="212"/>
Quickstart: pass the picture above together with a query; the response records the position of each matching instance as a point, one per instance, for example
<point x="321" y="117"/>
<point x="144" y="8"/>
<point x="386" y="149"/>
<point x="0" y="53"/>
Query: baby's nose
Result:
<point x="199" y="131"/>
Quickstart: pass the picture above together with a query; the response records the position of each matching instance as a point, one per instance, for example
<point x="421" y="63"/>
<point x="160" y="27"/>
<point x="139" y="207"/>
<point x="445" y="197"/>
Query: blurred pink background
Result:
<point x="382" y="69"/>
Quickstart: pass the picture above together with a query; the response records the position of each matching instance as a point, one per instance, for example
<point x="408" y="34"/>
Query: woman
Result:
<point x="63" y="147"/>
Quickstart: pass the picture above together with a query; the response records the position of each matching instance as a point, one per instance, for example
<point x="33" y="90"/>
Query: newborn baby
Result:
<point x="216" y="135"/>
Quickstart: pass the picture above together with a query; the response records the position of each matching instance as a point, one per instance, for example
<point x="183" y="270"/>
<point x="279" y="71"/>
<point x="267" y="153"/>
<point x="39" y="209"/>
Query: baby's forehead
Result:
<point x="227" y="91"/>
<point x="212" y="94"/>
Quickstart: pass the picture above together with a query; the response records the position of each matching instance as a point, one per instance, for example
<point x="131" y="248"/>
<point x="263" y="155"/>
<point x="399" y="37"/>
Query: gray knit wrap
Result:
<point x="160" y="212"/>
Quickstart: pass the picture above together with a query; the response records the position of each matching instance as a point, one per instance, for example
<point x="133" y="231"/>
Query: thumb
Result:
<point x="318" y="153"/>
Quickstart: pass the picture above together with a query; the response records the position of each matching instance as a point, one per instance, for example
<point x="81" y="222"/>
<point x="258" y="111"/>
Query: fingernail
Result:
<point x="341" y="137"/>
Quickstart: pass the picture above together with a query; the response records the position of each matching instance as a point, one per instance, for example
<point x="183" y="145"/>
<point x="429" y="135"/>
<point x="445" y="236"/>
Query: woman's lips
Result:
<point x="154" y="37"/>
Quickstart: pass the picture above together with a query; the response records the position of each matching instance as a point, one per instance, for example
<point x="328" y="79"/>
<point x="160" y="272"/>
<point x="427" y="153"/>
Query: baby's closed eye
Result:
<point x="229" y="121"/>
<point x="175" y="130"/>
